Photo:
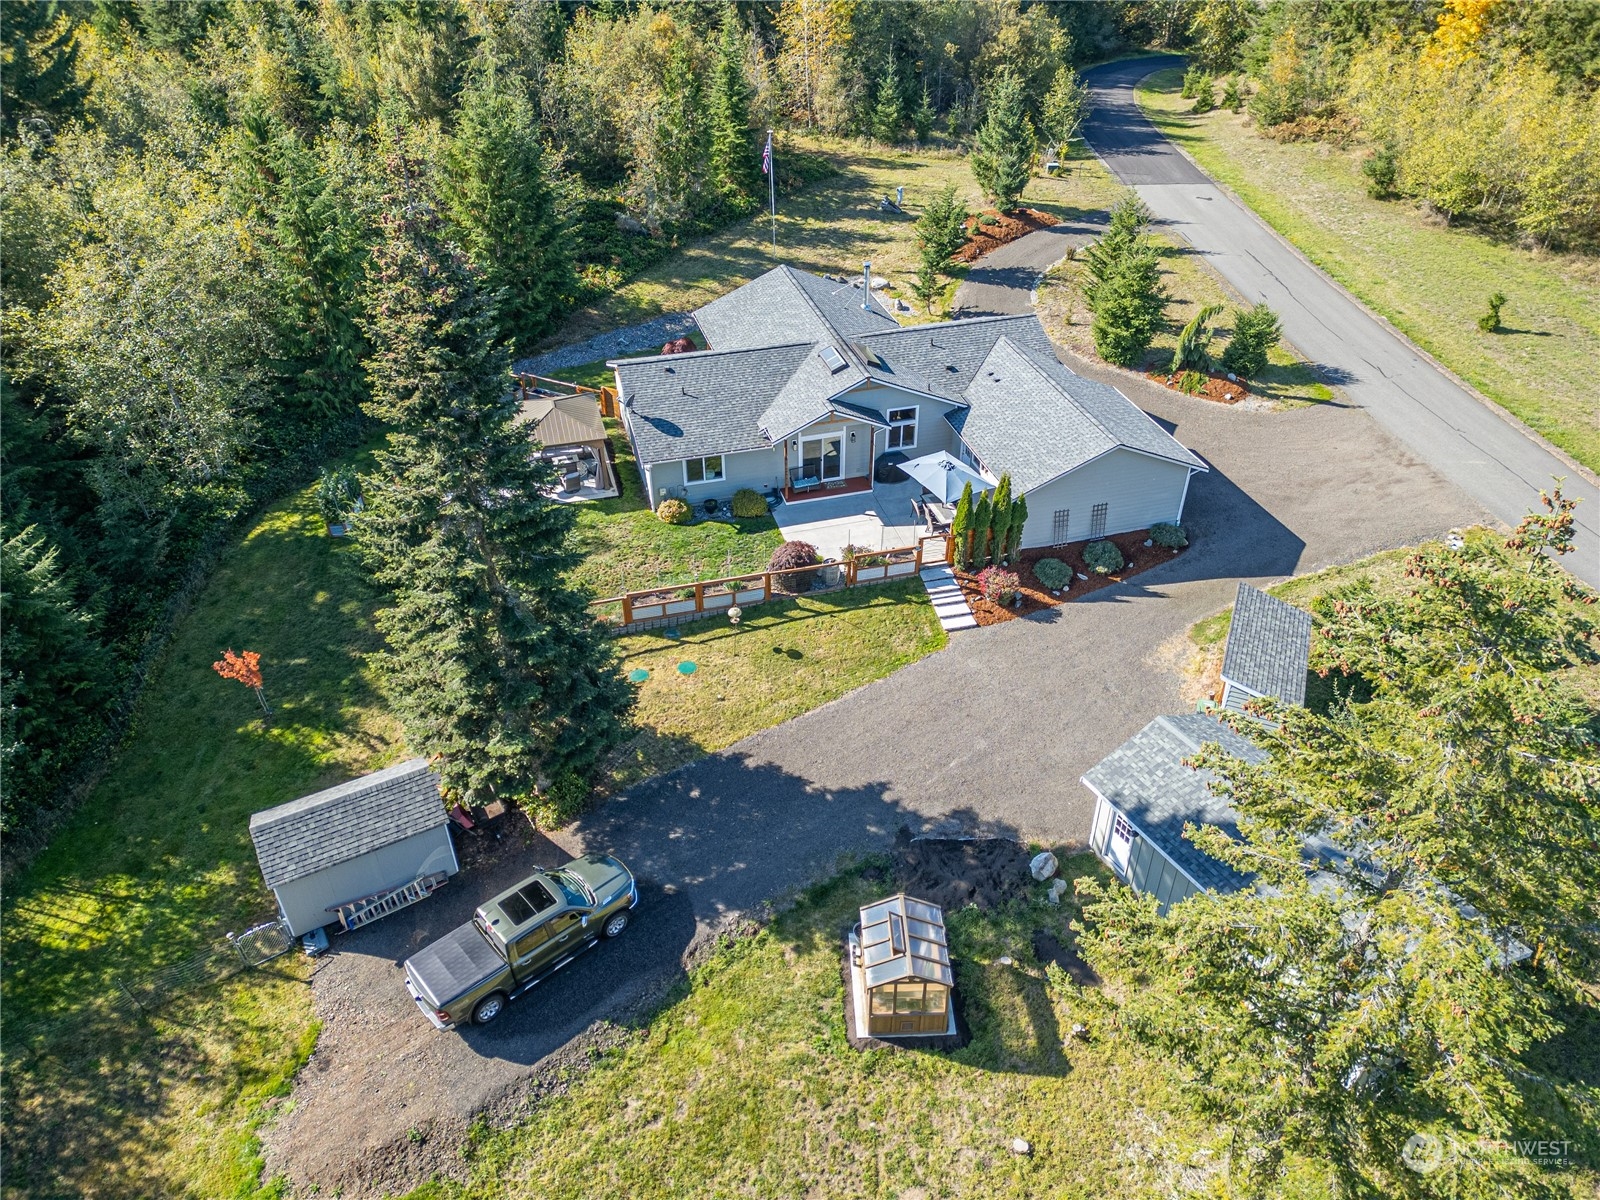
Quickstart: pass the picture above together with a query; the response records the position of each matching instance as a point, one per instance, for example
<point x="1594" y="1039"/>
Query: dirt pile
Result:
<point x="954" y="873"/>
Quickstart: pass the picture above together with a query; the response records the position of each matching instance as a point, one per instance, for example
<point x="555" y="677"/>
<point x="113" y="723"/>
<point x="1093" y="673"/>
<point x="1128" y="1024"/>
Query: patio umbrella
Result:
<point x="944" y="475"/>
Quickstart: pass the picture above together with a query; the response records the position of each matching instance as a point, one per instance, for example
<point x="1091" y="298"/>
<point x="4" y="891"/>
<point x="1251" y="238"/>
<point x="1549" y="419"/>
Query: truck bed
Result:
<point x="455" y="964"/>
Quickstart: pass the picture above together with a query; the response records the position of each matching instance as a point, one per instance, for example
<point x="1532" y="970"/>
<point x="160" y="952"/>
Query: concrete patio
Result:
<point x="880" y="519"/>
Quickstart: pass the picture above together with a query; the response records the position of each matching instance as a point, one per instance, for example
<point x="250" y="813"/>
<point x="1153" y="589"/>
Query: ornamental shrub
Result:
<point x="794" y="554"/>
<point x="1053" y="573"/>
<point x="1103" y="557"/>
<point x="748" y="503"/>
<point x="1233" y="94"/>
<point x="1255" y="333"/>
<point x="1164" y="533"/>
<point x="1490" y="321"/>
<point x="1191" y="383"/>
<point x="673" y="511"/>
<point x="998" y="585"/>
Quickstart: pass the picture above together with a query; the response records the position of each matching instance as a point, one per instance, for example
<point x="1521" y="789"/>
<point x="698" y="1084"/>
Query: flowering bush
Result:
<point x="998" y="585"/>
<point x="673" y="511"/>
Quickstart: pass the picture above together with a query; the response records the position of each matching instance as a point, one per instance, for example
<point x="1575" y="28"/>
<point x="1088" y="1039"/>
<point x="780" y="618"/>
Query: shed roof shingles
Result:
<point x="1269" y="646"/>
<point x="329" y="827"/>
<point x="1146" y="779"/>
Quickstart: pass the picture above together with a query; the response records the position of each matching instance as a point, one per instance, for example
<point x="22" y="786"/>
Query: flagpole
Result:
<point x="772" y="191"/>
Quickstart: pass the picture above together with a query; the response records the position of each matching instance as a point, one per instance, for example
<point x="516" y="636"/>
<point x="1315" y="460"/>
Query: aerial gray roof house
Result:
<point x="806" y="381"/>
<point x="1268" y="651"/>
<point x="1145" y="795"/>
<point x="340" y="855"/>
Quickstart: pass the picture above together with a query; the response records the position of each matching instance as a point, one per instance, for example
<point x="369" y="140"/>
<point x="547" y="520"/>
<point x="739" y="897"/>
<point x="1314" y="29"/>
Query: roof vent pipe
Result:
<point x="866" y="287"/>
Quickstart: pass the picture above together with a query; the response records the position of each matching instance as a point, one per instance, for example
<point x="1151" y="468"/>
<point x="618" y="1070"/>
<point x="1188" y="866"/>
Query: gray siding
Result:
<point x="1150" y="873"/>
<point x="1138" y="491"/>
<point x="933" y="431"/>
<point x="305" y="902"/>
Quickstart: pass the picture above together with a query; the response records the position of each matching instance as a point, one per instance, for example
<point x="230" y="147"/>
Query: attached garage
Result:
<point x="358" y="851"/>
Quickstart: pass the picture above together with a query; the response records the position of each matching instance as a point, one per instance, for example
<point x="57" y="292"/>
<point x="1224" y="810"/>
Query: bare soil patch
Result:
<point x="1007" y="227"/>
<point x="1218" y="386"/>
<point x="1036" y="597"/>
<point x="956" y="872"/>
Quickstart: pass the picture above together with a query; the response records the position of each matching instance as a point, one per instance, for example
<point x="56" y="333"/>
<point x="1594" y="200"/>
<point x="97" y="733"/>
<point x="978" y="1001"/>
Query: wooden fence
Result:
<point x="711" y="597"/>
<point x="527" y="384"/>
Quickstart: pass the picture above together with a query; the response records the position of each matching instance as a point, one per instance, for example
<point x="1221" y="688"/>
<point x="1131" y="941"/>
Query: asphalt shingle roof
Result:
<point x="785" y="305"/>
<point x="1269" y="646"/>
<point x="1029" y="415"/>
<point x="1146" y="779"/>
<point x="943" y="359"/>
<point x="712" y="402"/>
<point x="329" y="827"/>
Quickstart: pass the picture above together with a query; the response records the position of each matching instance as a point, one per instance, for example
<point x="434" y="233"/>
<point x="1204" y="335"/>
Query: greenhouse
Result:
<point x="900" y="973"/>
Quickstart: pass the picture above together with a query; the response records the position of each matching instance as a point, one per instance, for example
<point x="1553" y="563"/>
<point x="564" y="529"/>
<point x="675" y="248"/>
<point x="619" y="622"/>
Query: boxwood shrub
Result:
<point x="1053" y="573"/>
<point x="748" y="503"/>
<point x="1102" y="557"/>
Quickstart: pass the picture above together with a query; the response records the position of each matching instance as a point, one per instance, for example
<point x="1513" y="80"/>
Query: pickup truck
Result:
<point x="519" y="938"/>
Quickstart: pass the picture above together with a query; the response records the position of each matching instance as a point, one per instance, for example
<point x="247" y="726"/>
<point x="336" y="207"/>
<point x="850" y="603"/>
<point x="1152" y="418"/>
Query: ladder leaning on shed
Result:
<point x="353" y="914"/>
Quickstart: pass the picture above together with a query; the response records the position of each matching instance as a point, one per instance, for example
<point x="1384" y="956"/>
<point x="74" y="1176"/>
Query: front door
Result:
<point x="823" y="457"/>
<point x="1120" y="843"/>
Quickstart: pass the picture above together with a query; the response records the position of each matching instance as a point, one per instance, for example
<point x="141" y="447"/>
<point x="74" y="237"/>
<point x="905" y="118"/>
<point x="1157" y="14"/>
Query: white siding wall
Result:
<point x="1138" y="491"/>
<point x="305" y="902"/>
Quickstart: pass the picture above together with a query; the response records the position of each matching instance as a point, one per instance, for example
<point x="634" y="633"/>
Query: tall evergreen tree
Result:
<point x="679" y="153"/>
<point x="503" y="210"/>
<point x="982" y="520"/>
<point x="38" y="79"/>
<point x="1002" y="158"/>
<point x="941" y="230"/>
<point x="923" y="117"/>
<point x="734" y="159"/>
<point x="889" y="113"/>
<point x="493" y="663"/>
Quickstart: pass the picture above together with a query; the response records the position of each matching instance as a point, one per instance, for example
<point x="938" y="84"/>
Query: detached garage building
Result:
<point x="358" y="851"/>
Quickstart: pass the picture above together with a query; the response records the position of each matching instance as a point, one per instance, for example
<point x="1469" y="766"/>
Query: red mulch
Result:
<point x="1036" y="597"/>
<point x="1010" y="226"/>
<point x="1218" y="386"/>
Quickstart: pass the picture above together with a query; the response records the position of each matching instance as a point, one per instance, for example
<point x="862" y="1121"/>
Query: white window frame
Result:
<point x="898" y="427"/>
<point x="836" y="434"/>
<point x="705" y="478"/>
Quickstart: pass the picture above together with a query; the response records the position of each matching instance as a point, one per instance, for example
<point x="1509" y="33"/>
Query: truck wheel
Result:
<point x="490" y="1007"/>
<point x="615" y="924"/>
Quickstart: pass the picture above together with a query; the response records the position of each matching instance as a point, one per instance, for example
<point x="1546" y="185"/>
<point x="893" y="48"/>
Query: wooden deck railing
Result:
<point x="711" y="597"/>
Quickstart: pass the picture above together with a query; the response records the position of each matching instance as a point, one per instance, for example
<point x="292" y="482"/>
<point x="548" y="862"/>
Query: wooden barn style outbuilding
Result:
<point x="900" y="971"/>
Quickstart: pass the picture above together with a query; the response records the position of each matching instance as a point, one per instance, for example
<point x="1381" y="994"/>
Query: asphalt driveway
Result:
<point x="1492" y="458"/>
<point x="988" y="735"/>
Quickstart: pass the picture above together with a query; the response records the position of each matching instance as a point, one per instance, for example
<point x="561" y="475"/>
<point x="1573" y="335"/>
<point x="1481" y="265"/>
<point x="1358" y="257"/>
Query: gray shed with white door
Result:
<point x="354" y="843"/>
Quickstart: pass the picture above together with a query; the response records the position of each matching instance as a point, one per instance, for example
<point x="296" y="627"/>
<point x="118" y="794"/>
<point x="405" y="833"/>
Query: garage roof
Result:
<point x="329" y="827"/>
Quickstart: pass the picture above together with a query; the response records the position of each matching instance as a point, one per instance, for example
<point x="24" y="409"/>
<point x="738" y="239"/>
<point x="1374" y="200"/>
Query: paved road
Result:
<point x="1495" y="460"/>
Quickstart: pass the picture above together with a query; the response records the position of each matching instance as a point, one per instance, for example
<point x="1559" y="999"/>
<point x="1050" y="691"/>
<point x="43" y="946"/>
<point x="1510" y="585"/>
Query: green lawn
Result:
<point x="830" y="226"/>
<point x="1431" y="281"/>
<point x="746" y="1086"/>
<point x="158" y="863"/>
<point x="784" y="658"/>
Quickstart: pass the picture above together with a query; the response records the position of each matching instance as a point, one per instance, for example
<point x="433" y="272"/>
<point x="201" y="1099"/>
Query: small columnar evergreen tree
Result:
<point x="941" y="230"/>
<point x="889" y="113"/>
<point x="982" y="519"/>
<point x="961" y="529"/>
<point x="493" y="664"/>
<point x="923" y="116"/>
<point x="1000" y="517"/>
<point x="1002" y="156"/>
<point x="1019" y="518"/>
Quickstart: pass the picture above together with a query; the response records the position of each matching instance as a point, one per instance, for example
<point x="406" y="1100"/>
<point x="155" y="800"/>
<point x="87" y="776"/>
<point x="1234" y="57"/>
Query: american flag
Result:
<point x="766" y="156"/>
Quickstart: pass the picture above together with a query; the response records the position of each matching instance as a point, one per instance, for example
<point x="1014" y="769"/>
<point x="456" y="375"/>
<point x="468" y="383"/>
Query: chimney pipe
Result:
<point x="866" y="287"/>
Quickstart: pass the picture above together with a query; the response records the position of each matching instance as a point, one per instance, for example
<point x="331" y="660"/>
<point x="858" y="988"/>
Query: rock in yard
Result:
<point x="1058" y="889"/>
<point x="629" y="225"/>
<point x="1021" y="1146"/>
<point x="1004" y="960"/>
<point x="1043" y="865"/>
<point x="1081" y="575"/>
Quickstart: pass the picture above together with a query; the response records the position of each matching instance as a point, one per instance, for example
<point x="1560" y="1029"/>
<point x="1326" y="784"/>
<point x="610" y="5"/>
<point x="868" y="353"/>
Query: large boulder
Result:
<point x="1043" y="865"/>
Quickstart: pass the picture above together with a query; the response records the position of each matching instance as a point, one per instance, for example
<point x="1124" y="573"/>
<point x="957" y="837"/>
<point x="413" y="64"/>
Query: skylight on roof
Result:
<point x="834" y="360"/>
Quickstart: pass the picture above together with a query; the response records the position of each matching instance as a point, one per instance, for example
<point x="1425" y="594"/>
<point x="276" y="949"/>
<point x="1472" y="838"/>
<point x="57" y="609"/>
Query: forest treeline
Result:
<point x="190" y="206"/>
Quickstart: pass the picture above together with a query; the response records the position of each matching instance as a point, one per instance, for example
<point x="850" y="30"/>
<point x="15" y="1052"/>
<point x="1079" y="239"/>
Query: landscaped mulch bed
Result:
<point x="1008" y="227"/>
<point x="1036" y="597"/>
<point x="1218" y="387"/>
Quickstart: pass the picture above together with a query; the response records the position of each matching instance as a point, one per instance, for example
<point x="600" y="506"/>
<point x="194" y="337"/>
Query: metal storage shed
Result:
<point x="358" y="851"/>
<point x="1269" y="649"/>
<point x="900" y="970"/>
